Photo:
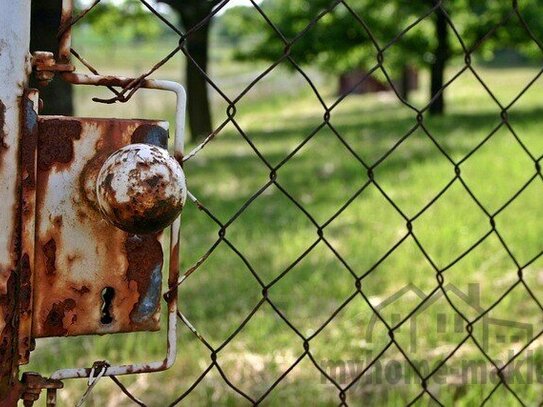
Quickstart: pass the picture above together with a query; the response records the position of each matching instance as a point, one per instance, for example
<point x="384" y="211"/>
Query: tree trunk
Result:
<point x="198" y="106"/>
<point x="193" y="12"/>
<point x="405" y="83"/>
<point x="441" y="56"/>
<point x="57" y="96"/>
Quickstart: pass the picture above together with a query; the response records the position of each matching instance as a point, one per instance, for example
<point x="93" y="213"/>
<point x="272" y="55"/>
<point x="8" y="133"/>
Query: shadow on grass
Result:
<point x="322" y="176"/>
<point x="457" y="134"/>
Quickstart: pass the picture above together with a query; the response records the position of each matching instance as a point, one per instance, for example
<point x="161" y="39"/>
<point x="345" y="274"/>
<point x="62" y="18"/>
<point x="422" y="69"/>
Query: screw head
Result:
<point x="141" y="189"/>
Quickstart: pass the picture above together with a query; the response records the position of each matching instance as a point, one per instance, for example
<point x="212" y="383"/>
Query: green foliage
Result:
<point x="233" y="26"/>
<point x="338" y="42"/>
<point x="191" y="11"/>
<point x="124" y="20"/>
<point x="515" y="29"/>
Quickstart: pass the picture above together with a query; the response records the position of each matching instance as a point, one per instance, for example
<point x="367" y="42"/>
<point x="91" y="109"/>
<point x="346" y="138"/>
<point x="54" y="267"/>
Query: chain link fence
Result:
<point x="356" y="383"/>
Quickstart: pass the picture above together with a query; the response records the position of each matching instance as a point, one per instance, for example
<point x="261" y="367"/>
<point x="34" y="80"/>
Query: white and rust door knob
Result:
<point x="141" y="189"/>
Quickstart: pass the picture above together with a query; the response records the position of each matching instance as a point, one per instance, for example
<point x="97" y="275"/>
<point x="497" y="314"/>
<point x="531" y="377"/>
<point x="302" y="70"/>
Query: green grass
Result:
<point x="272" y="233"/>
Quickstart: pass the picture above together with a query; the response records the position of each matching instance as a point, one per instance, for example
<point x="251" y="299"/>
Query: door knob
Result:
<point x="141" y="189"/>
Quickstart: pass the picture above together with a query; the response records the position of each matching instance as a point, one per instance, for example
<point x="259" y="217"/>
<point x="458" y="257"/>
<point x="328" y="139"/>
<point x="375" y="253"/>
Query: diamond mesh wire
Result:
<point x="368" y="179"/>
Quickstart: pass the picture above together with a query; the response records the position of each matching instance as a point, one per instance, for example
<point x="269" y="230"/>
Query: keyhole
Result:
<point x="107" y="298"/>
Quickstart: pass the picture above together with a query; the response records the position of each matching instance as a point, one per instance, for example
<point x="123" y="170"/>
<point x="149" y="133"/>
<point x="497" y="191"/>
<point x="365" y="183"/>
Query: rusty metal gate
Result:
<point x="78" y="259"/>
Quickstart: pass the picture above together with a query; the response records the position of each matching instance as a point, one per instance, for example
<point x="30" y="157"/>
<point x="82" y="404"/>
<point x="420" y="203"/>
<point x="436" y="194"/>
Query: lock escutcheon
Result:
<point x="90" y="276"/>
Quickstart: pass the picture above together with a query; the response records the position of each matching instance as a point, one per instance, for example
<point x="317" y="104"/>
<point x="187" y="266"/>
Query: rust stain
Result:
<point x="113" y="132"/>
<point x="3" y="144"/>
<point x="179" y="157"/>
<point x="57" y="221"/>
<point x="153" y="181"/>
<point x="29" y="143"/>
<point x="65" y="31"/>
<point x="25" y="298"/>
<point x="174" y="266"/>
<point x="55" y="317"/>
<point x="145" y="257"/>
<point x="82" y="291"/>
<point x="50" y="252"/>
<point x="25" y="293"/>
<point x="87" y="180"/>
<point x="106" y="80"/>
<point x="27" y="157"/>
<point x="151" y="220"/>
<point x="57" y="142"/>
<point x="163" y="213"/>
<point x="8" y="338"/>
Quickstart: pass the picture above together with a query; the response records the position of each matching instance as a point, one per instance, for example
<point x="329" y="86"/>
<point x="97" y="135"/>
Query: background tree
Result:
<point x="338" y="43"/>
<point x="122" y="21"/>
<point x="231" y="27"/>
<point x="438" y="63"/>
<point x="475" y="22"/>
<point x="192" y="13"/>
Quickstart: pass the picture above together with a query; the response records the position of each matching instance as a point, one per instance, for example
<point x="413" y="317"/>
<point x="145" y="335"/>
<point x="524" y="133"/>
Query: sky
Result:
<point x="234" y="3"/>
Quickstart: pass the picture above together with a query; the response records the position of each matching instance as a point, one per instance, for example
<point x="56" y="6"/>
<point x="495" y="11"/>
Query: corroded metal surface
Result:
<point x="129" y="85"/>
<point x="65" y="32"/>
<point x="45" y="66"/>
<point x="90" y="277"/>
<point x="33" y="386"/>
<point x="141" y="188"/>
<point x="29" y="141"/>
<point x="14" y="40"/>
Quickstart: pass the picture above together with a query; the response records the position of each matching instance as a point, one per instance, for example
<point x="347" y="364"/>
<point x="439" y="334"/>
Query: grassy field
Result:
<point x="272" y="233"/>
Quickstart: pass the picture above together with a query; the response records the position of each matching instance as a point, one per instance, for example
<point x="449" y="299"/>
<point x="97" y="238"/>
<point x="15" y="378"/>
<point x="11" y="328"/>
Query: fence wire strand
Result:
<point x="358" y="276"/>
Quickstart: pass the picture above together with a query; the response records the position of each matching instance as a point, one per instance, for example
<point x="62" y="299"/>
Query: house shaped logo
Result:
<point x="496" y="331"/>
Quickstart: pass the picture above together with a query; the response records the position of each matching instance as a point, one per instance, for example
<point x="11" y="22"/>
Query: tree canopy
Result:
<point x="344" y="38"/>
<point x="124" y="20"/>
<point x="339" y="41"/>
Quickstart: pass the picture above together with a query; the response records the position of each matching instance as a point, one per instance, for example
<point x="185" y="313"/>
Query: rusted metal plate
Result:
<point x="90" y="277"/>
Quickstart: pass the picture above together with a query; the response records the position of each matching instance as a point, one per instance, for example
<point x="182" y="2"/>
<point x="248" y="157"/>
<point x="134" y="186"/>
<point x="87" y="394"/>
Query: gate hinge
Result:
<point x="33" y="383"/>
<point x="45" y="66"/>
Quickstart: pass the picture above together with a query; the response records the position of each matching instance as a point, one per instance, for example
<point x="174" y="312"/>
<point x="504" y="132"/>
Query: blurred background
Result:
<point x="444" y="108"/>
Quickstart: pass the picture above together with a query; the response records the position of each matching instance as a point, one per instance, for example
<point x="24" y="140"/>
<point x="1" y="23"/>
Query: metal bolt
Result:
<point x="43" y="60"/>
<point x="34" y="383"/>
